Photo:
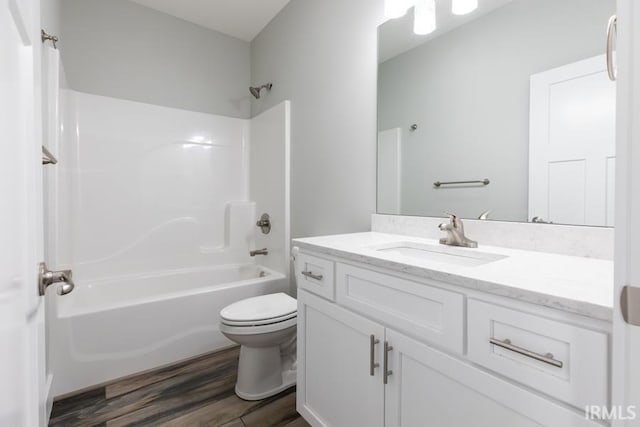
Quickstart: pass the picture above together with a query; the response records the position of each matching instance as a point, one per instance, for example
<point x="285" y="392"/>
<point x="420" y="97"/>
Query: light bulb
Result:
<point x="396" y="8"/>
<point x="462" y="7"/>
<point x="424" y="17"/>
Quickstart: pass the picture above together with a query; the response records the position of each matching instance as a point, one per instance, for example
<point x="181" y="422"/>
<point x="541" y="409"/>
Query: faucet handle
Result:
<point x="485" y="215"/>
<point x="455" y="221"/>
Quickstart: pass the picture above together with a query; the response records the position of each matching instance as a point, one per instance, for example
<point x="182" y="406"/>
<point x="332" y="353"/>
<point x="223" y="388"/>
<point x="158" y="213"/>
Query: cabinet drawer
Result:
<point x="315" y="275"/>
<point x="427" y="313"/>
<point x="564" y="361"/>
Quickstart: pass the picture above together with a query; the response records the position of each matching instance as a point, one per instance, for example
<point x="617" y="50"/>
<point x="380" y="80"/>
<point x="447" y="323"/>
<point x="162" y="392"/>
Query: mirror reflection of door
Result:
<point x="468" y="87"/>
<point x="572" y="144"/>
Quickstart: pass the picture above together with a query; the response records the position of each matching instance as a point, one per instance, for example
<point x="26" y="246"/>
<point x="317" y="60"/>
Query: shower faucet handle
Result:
<point x="264" y="223"/>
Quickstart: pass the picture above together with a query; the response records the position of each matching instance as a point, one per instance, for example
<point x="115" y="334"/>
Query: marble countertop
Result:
<point x="569" y="283"/>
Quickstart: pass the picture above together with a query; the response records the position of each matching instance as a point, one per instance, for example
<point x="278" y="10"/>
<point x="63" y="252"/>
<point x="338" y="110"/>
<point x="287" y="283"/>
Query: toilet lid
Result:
<point x="265" y="307"/>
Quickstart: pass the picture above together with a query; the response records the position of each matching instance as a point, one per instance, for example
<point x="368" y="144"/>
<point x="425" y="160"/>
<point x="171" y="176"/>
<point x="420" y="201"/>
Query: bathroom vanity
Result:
<point x="397" y="330"/>
<point x="401" y="331"/>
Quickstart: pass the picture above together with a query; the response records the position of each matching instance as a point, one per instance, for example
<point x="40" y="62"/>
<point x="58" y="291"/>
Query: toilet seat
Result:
<point x="258" y="329"/>
<point x="259" y="322"/>
<point x="260" y="311"/>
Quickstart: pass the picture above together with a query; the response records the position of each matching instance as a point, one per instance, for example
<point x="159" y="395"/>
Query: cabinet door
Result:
<point x="335" y="385"/>
<point x="429" y="388"/>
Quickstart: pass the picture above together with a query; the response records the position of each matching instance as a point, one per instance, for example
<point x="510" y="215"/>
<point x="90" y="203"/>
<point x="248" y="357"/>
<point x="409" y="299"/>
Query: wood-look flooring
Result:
<point x="198" y="392"/>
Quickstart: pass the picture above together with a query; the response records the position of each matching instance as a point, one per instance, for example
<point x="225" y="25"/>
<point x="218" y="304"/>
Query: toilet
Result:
<point x="265" y="328"/>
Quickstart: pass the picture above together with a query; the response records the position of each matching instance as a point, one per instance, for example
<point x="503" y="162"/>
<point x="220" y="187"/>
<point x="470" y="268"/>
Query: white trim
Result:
<point x="626" y="339"/>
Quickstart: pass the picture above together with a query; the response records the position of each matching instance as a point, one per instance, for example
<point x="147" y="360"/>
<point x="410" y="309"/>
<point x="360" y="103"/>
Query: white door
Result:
<point x="335" y="383"/>
<point x="572" y="144"/>
<point x="626" y="337"/>
<point x="389" y="170"/>
<point x="22" y="355"/>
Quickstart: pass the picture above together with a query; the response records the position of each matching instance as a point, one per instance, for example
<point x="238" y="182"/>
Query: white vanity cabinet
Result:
<point x="441" y="370"/>
<point x="430" y="388"/>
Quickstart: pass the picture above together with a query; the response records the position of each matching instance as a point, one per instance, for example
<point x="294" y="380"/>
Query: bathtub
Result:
<point x="108" y="329"/>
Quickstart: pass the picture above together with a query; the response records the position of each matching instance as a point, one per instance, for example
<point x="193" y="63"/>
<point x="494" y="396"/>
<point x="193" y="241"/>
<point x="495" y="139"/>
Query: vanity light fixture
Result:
<point x="424" y="17"/>
<point x="396" y="8"/>
<point x="462" y="7"/>
<point x="424" y="13"/>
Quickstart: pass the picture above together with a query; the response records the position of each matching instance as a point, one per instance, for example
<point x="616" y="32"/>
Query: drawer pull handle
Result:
<point x="386" y="371"/>
<point x="546" y="358"/>
<point x="372" y="350"/>
<point x="311" y="275"/>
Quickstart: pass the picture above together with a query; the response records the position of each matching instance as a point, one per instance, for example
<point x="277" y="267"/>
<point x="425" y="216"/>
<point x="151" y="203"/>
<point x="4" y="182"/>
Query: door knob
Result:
<point x="47" y="278"/>
<point x="630" y="305"/>
<point x="612" y="35"/>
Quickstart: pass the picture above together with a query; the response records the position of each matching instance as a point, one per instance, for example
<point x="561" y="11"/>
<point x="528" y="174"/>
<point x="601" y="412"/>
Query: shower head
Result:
<point x="255" y="91"/>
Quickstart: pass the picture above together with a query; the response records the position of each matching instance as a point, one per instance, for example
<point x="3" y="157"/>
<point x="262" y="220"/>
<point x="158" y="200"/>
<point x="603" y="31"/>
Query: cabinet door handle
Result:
<point x="310" y="275"/>
<point x="372" y="350"/>
<point x="612" y="30"/>
<point x="386" y="371"/>
<point x="546" y="358"/>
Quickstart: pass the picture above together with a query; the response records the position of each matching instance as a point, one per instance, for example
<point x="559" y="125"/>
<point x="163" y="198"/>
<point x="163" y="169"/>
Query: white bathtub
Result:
<point x="112" y="328"/>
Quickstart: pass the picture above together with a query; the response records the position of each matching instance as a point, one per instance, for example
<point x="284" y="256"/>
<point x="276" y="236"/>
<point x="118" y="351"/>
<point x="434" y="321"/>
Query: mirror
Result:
<point x="505" y="113"/>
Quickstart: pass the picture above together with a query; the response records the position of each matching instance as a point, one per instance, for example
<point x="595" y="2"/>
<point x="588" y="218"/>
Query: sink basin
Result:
<point x="461" y="257"/>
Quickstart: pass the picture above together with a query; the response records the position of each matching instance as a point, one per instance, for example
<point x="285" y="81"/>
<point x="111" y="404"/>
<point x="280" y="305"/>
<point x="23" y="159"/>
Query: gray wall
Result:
<point x="322" y="55"/>
<point x="121" y="49"/>
<point x="50" y="16"/>
<point x="468" y="91"/>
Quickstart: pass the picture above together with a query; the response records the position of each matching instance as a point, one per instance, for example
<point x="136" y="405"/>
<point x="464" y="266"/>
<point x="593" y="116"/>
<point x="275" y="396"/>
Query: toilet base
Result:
<point x="288" y="380"/>
<point x="263" y="372"/>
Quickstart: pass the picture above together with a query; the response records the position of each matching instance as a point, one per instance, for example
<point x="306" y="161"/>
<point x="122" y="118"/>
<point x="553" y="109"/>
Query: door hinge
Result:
<point x="630" y="305"/>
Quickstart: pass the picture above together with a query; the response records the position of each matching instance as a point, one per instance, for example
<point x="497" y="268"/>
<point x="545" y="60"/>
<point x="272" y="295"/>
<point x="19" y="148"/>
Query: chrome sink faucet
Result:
<point x="455" y="233"/>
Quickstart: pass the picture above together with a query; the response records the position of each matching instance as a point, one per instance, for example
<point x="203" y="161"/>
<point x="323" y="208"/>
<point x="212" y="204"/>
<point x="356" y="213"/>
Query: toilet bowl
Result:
<point x="265" y="328"/>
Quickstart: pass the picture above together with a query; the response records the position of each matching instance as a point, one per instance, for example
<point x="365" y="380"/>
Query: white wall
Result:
<point x="120" y="49"/>
<point x="152" y="188"/>
<point x="322" y="55"/>
<point x="269" y="183"/>
<point x="468" y="91"/>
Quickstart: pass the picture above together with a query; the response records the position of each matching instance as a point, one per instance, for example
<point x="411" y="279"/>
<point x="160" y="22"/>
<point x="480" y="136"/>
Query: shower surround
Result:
<point x="154" y="210"/>
<point x="153" y="186"/>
